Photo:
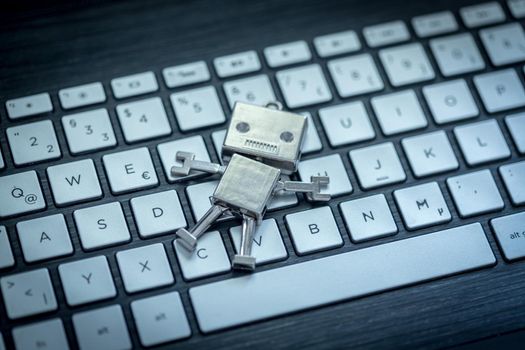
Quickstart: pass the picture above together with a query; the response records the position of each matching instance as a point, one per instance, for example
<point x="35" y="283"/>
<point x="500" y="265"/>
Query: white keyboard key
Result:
<point x="236" y="64"/>
<point x="504" y="44"/>
<point x="74" y="182"/>
<point x="20" y="193"/>
<point x="430" y="154"/>
<point x="377" y="165"/>
<point x="130" y="170"/>
<point x="143" y="120"/>
<point x="197" y="108"/>
<point x="268" y="244"/>
<point x="27" y="106"/>
<point x="313" y="230"/>
<point x="457" y="54"/>
<point x="303" y="86"/>
<point x="514" y="179"/>
<point x="286" y="54"/>
<point x="346" y="123"/>
<point x="186" y="74"/>
<point x="256" y="90"/>
<point x="331" y="166"/>
<point x="134" y="85"/>
<point x="82" y="95"/>
<point x="103" y="328"/>
<point x="144" y="268"/>
<point x="509" y="231"/>
<point x="101" y="226"/>
<point x="355" y="75"/>
<point x="482" y="142"/>
<point x="450" y="101"/>
<point x="199" y="197"/>
<point x="337" y="43"/>
<point x="218" y="139"/>
<point x="34" y="142"/>
<point x="386" y="33"/>
<point x="209" y="258"/>
<point x="517" y="8"/>
<point x="516" y="125"/>
<point x="406" y="64"/>
<point x="399" y="112"/>
<point x="44" y="238"/>
<point x="168" y="153"/>
<point x="2" y="345"/>
<point x="158" y="213"/>
<point x="500" y="90"/>
<point x="48" y="334"/>
<point x="6" y="254"/>
<point x="2" y="164"/>
<point x="311" y="142"/>
<point x="434" y="24"/>
<point x="160" y="319"/>
<point x="482" y="14"/>
<point x="28" y="293"/>
<point x="368" y="218"/>
<point x="422" y="206"/>
<point x="87" y="280"/>
<point x="88" y="131"/>
<point x="475" y="193"/>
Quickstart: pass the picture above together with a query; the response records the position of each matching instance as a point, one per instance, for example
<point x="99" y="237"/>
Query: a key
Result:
<point x="510" y="232"/>
<point x="49" y="334"/>
<point x="346" y="123"/>
<point x="457" y="54"/>
<point x="303" y="86"/>
<point x="28" y="293"/>
<point x="514" y="179"/>
<point x="430" y="154"/>
<point x="337" y="43"/>
<point x="28" y="106"/>
<point x="406" y="64"/>
<point x="355" y="75"/>
<point x="377" y="165"/>
<point x="268" y="244"/>
<point x="209" y="257"/>
<point x="331" y="166"/>
<point x="500" y="90"/>
<point x="74" y="182"/>
<point x="286" y="54"/>
<point x="197" y="108"/>
<point x="2" y="345"/>
<point x="311" y="141"/>
<point x="386" y="33"/>
<point x="482" y="142"/>
<point x="186" y="74"/>
<point x="475" y="193"/>
<point x="313" y="230"/>
<point x="134" y="85"/>
<point x="255" y="90"/>
<point x="130" y="170"/>
<point x="101" y="226"/>
<point x="6" y="254"/>
<point x="516" y="125"/>
<point x="44" y="238"/>
<point x="482" y="14"/>
<point x="88" y="131"/>
<point x="434" y="24"/>
<point x="218" y="139"/>
<point x="103" y="328"/>
<point x="237" y="64"/>
<point x="82" y="95"/>
<point x="20" y="193"/>
<point x="87" y="280"/>
<point x="2" y="163"/>
<point x="450" y="101"/>
<point x="199" y="197"/>
<point x="160" y="319"/>
<point x="504" y="44"/>
<point x="34" y="142"/>
<point x="517" y="8"/>
<point x="143" y="120"/>
<point x="368" y="218"/>
<point x="144" y="268"/>
<point x="399" y="112"/>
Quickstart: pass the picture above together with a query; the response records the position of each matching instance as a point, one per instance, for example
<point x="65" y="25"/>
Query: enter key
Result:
<point x="510" y="232"/>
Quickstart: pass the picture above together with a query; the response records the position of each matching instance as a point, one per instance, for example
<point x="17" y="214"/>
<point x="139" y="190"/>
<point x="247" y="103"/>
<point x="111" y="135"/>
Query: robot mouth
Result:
<point x="261" y="146"/>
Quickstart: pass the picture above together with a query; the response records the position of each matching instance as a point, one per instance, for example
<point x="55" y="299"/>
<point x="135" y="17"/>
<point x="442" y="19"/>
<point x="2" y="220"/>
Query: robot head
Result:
<point x="269" y="135"/>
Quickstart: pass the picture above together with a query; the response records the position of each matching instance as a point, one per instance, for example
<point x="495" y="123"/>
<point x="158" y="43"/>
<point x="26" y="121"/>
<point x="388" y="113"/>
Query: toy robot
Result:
<point x="261" y="144"/>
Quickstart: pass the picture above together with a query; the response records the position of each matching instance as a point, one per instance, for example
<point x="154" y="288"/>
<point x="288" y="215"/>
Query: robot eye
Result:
<point x="287" y="136"/>
<point x="242" y="127"/>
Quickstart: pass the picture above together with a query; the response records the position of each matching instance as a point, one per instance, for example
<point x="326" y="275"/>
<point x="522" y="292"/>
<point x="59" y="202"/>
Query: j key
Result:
<point x="236" y="64"/>
<point x="6" y="254"/>
<point x="475" y="193"/>
<point x="197" y="108"/>
<point x="82" y="95"/>
<point x="516" y="125"/>
<point x="311" y="142"/>
<point x="406" y="64"/>
<point x="255" y="90"/>
<point x="337" y="43"/>
<point x="28" y="293"/>
<point x="510" y="232"/>
<point x="500" y="90"/>
<point x="482" y="14"/>
<point x="88" y="131"/>
<point x="34" y="142"/>
<point x="303" y="86"/>
<point x="514" y="178"/>
<point x="133" y="85"/>
<point x="517" y="8"/>
<point x="386" y="33"/>
<point x="331" y="166"/>
<point x="434" y="24"/>
<point x="168" y="155"/>
<point x="505" y="44"/>
<point x="399" y="112"/>
<point x="48" y="334"/>
<point x="286" y="54"/>
<point x="20" y="193"/>
<point x="143" y="120"/>
<point x="28" y="106"/>
<point x="457" y="54"/>
<point x="186" y="74"/>
<point x="355" y="75"/>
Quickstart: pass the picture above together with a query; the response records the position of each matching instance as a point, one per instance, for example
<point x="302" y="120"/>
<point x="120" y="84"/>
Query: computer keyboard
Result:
<point x="413" y="170"/>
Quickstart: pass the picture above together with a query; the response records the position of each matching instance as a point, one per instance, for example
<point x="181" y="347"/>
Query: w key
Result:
<point x="34" y="142"/>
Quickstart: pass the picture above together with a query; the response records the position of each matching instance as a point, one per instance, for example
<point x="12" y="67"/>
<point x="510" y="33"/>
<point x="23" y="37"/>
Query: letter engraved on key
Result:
<point x="201" y="253"/>
<point x="314" y="229"/>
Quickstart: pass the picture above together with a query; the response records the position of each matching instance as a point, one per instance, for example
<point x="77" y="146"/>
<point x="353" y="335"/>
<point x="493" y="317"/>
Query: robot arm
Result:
<point x="312" y="189"/>
<point x="189" y="163"/>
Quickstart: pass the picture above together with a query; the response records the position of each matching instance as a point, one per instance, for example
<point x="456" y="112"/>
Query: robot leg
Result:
<point x="244" y="260"/>
<point x="188" y="238"/>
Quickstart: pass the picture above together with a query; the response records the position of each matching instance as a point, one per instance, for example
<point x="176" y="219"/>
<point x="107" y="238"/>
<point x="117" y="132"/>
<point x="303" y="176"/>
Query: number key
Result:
<point x="197" y="108"/>
<point x="303" y="86"/>
<point x="88" y="131"/>
<point x="34" y="142"/>
<point x="406" y="64"/>
<point x="254" y="90"/>
<point x="143" y="120"/>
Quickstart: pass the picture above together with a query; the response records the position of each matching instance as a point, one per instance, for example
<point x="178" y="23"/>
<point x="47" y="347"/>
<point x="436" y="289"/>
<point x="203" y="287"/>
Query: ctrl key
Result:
<point x="510" y="232"/>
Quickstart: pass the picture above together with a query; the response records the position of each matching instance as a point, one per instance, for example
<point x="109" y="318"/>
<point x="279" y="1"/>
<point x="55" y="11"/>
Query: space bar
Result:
<point x="349" y="275"/>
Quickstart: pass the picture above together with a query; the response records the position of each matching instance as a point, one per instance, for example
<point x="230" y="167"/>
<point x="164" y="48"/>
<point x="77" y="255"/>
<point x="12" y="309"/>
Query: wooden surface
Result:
<point x="49" y="47"/>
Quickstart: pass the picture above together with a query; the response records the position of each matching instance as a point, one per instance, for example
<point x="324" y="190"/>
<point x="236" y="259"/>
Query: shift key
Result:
<point x="510" y="232"/>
